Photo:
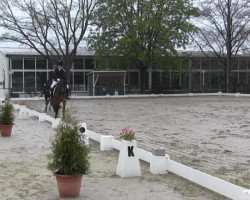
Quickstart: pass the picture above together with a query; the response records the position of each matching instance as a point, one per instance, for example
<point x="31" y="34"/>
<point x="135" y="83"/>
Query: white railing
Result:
<point x="144" y="96"/>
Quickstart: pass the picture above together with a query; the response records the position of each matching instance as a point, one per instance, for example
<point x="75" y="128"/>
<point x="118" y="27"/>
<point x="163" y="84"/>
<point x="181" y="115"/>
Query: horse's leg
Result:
<point x="46" y="104"/>
<point x="56" y="109"/>
<point x="54" y="106"/>
<point x="50" y="103"/>
<point x="56" y="114"/>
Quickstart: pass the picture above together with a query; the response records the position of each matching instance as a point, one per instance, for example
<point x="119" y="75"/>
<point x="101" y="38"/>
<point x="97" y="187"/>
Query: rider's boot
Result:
<point x="51" y="93"/>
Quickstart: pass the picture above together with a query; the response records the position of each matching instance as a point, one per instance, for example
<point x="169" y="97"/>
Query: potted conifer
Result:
<point x="69" y="159"/>
<point x="6" y="117"/>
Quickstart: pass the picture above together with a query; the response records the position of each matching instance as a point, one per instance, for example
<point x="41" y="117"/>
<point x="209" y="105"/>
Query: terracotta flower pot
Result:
<point x="68" y="186"/>
<point x="6" y="130"/>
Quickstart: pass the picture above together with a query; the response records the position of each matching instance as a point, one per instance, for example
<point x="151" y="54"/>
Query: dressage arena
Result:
<point x="211" y="134"/>
<point x="208" y="133"/>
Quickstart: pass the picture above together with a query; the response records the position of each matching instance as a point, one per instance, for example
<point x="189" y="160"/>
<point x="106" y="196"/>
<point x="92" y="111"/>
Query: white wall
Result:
<point x="4" y="70"/>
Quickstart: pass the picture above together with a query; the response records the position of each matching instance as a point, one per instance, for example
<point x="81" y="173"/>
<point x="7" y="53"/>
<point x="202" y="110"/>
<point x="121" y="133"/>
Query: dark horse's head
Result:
<point x="60" y="96"/>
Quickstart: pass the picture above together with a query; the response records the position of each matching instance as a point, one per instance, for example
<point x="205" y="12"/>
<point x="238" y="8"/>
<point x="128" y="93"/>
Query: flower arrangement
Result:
<point x="127" y="134"/>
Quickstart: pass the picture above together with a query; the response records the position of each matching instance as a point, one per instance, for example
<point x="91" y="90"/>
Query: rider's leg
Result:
<point x="52" y="87"/>
<point x="53" y="84"/>
<point x="67" y="91"/>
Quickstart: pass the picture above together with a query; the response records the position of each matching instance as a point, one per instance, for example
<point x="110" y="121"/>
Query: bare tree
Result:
<point x="224" y="29"/>
<point x="54" y="28"/>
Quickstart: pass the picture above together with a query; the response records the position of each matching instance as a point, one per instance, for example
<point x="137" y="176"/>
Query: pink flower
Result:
<point x="127" y="134"/>
<point x="125" y="129"/>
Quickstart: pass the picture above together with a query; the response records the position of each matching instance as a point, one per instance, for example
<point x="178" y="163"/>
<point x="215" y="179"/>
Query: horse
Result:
<point x="59" y="96"/>
<point x="46" y="93"/>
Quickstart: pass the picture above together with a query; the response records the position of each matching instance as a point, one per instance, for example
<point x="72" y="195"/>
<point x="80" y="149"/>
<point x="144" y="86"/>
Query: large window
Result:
<point x="205" y="64"/>
<point x="242" y="64"/>
<point x="41" y="63"/>
<point x="214" y="78"/>
<point x="17" y="82"/>
<point x="196" y="81"/>
<point x="50" y="65"/>
<point x="242" y="78"/>
<point x="41" y="78"/>
<point x="205" y="80"/>
<point x="78" y="81"/>
<point x="156" y="78"/>
<point x="28" y="74"/>
<point x="214" y="64"/>
<point x="29" y="63"/>
<point x="222" y="81"/>
<point x="184" y="79"/>
<point x="86" y="80"/>
<point x="196" y="63"/>
<point x="248" y="77"/>
<point x="234" y="78"/>
<point x="29" y="81"/>
<point x="175" y="80"/>
<point x="89" y="63"/>
<point x="17" y="63"/>
<point x="78" y="64"/>
<point x="133" y="80"/>
<point x="166" y="79"/>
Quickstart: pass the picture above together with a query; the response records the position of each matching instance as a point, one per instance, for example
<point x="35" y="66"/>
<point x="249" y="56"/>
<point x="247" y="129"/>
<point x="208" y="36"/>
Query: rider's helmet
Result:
<point x="59" y="63"/>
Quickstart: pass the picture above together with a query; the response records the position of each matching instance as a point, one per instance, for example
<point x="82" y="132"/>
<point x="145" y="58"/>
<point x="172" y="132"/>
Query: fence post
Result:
<point x="42" y="117"/>
<point x="246" y="195"/>
<point x="158" y="164"/>
<point x="24" y="112"/>
<point x="106" y="142"/>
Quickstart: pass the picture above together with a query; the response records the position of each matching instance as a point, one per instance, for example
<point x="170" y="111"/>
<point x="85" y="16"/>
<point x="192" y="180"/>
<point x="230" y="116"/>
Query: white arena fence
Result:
<point x="158" y="164"/>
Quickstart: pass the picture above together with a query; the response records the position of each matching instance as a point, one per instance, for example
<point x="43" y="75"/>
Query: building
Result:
<point x="23" y="71"/>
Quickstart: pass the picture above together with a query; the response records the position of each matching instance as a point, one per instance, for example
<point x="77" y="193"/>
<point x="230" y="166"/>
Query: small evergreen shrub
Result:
<point x="6" y="112"/>
<point x="70" y="154"/>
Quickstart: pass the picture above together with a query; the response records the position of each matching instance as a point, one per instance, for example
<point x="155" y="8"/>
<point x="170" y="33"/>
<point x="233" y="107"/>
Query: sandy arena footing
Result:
<point x="210" y="134"/>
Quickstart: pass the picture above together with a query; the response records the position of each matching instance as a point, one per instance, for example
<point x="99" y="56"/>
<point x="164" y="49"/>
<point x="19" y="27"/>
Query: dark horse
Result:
<point x="60" y="96"/>
<point x="46" y="93"/>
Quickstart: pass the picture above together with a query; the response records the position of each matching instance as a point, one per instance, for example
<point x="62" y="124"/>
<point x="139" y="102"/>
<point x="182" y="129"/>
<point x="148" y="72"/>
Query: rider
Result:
<point x="58" y="74"/>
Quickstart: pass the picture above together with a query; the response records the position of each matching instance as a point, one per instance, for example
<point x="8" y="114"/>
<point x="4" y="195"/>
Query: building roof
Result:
<point x="24" y="51"/>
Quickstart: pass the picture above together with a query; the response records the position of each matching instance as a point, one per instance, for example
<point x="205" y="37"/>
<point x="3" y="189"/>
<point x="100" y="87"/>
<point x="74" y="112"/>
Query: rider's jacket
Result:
<point x="57" y="74"/>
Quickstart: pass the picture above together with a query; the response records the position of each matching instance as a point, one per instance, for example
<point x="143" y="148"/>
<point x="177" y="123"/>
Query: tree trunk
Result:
<point x="190" y="75"/>
<point x="67" y="65"/>
<point x="228" y="73"/>
<point x="229" y="46"/>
